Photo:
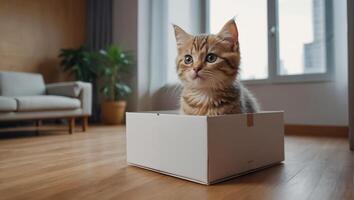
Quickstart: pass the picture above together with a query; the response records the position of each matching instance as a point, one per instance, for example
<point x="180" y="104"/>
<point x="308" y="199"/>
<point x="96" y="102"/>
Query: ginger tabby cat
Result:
<point x="208" y="67"/>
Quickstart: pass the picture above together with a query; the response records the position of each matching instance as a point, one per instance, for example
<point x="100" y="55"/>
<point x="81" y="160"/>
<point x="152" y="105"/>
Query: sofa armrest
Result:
<point x="78" y="89"/>
<point x="68" y="89"/>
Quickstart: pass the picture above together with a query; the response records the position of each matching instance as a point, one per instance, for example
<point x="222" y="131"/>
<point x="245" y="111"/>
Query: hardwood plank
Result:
<point x="92" y="165"/>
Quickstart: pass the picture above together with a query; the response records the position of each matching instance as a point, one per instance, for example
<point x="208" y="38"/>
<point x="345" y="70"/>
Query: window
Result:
<point x="251" y="17"/>
<point x="280" y="40"/>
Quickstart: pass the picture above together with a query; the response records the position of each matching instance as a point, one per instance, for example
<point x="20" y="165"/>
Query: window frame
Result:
<point x="273" y="48"/>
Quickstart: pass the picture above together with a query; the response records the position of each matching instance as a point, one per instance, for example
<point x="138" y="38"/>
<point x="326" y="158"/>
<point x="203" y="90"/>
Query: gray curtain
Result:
<point x="99" y="35"/>
<point x="350" y="8"/>
<point x="99" y="23"/>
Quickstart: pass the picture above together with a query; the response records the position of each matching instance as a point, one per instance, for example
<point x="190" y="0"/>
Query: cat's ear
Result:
<point x="229" y="32"/>
<point x="181" y="35"/>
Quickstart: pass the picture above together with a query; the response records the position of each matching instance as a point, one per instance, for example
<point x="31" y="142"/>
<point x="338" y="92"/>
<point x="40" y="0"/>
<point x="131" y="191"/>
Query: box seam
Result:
<point x="208" y="156"/>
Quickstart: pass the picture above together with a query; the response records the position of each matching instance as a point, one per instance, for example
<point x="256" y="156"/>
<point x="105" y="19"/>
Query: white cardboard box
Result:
<point x="204" y="149"/>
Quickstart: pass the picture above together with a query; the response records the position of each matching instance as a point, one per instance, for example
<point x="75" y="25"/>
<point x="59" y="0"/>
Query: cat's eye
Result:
<point x="210" y="58"/>
<point x="188" y="59"/>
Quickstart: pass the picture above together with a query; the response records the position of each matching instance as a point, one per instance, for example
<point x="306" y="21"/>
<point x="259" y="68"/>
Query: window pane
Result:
<point x="251" y="19"/>
<point x="302" y="47"/>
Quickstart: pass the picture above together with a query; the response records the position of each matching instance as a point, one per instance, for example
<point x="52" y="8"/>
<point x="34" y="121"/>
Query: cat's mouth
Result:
<point x="196" y="76"/>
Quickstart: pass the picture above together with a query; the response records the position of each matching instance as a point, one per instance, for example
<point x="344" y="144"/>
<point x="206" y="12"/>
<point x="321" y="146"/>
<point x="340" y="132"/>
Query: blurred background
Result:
<point x="294" y="53"/>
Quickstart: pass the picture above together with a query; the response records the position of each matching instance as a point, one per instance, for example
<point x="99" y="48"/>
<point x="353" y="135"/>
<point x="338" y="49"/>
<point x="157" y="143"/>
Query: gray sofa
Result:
<point x="24" y="96"/>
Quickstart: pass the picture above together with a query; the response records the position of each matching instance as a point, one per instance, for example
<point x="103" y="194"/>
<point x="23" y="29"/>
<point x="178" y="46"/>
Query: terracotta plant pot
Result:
<point x="112" y="112"/>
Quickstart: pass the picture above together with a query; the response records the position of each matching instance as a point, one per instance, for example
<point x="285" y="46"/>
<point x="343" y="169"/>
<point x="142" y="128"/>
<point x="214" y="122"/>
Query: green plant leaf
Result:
<point x="112" y="65"/>
<point x="79" y="62"/>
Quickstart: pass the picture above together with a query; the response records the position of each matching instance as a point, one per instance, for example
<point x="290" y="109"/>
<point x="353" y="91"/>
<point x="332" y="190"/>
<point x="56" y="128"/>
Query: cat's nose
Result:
<point x="197" y="69"/>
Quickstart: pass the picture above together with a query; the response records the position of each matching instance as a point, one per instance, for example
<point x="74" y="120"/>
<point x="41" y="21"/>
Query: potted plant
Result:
<point x="114" y="65"/>
<point x="79" y="62"/>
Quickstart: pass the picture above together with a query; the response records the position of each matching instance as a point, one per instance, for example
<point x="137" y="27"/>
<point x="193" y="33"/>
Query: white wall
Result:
<point x="315" y="103"/>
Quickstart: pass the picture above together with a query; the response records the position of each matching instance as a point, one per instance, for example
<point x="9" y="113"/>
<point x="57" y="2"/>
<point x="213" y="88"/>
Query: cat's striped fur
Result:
<point x="207" y="66"/>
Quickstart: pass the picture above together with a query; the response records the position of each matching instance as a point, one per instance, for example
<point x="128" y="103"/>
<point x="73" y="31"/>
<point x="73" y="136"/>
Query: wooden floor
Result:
<point x="56" y="165"/>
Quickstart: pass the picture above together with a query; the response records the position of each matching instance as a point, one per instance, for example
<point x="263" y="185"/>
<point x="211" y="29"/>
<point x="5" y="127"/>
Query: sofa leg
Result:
<point x="84" y="123"/>
<point x="71" y="122"/>
<point x="38" y="124"/>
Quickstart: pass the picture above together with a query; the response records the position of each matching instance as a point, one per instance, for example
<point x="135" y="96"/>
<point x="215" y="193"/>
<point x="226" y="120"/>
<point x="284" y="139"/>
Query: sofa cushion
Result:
<point x="21" y="84"/>
<point x="46" y="102"/>
<point x="7" y="104"/>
